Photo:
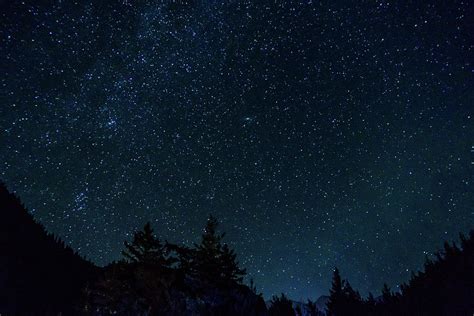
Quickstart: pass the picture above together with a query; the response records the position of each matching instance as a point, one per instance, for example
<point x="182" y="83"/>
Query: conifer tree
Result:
<point x="352" y="302"/>
<point x="146" y="248"/>
<point x="335" y="294"/>
<point x="298" y="311"/>
<point x="371" y="300"/>
<point x="214" y="260"/>
<point x="343" y="300"/>
<point x="386" y="293"/>
<point x="230" y="267"/>
<point x="252" y="286"/>
<point x="370" y="304"/>
<point x="312" y="309"/>
<point x="281" y="306"/>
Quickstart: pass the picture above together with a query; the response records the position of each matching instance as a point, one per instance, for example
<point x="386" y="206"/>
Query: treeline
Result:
<point x="156" y="275"/>
<point x="39" y="275"/>
<point x="445" y="287"/>
<point x="152" y="270"/>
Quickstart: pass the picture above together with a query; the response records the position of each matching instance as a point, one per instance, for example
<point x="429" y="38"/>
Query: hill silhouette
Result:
<point x="38" y="272"/>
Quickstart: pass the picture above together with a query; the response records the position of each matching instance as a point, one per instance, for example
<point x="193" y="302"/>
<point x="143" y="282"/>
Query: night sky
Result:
<point x="321" y="134"/>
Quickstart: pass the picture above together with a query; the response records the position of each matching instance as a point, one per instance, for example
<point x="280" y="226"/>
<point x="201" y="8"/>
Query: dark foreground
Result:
<point x="40" y="275"/>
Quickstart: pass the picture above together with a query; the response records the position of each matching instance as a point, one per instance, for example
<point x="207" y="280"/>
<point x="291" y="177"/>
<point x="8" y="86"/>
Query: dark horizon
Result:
<point x="17" y="210"/>
<point x="321" y="135"/>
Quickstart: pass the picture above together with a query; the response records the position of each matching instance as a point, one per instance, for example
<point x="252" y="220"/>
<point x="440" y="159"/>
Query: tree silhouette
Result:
<point x="343" y="299"/>
<point x="445" y="287"/>
<point x="370" y="304"/>
<point x="153" y="272"/>
<point x="38" y="272"/>
<point x="298" y="311"/>
<point x="230" y="268"/>
<point x="336" y="294"/>
<point x="146" y="248"/>
<point x="214" y="260"/>
<point x="143" y="282"/>
<point x="281" y="306"/>
<point x="353" y="303"/>
<point x="386" y="293"/>
<point x="312" y="309"/>
<point x="252" y="286"/>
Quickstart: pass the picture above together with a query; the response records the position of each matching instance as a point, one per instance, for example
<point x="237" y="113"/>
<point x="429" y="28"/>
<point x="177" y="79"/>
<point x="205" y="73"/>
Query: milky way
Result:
<point x="321" y="134"/>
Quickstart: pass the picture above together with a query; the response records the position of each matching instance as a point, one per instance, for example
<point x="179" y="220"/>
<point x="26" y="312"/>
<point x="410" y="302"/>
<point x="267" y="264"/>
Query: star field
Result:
<point x="320" y="134"/>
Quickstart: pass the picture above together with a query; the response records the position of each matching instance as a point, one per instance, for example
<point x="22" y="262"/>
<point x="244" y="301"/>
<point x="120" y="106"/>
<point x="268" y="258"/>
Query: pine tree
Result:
<point x="336" y="294"/>
<point x="349" y="292"/>
<point x="343" y="300"/>
<point x="215" y="261"/>
<point x="370" y="304"/>
<point x="352" y="302"/>
<point x="142" y="282"/>
<point x="386" y="293"/>
<point x="252" y="286"/>
<point x="207" y="254"/>
<point x="145" y="248"/>
<point x="281" y="306"/>
<point x="230" y="267"/>
<point x="312" y="309"/>
<point x="298" y="311"/>
<point x="371" y="300"/>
